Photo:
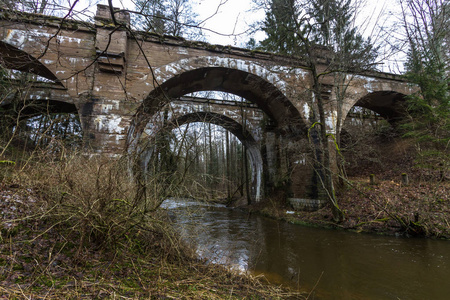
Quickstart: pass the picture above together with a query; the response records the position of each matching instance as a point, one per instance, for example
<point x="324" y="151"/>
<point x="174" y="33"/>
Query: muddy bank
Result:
<point x="387" y="207"/>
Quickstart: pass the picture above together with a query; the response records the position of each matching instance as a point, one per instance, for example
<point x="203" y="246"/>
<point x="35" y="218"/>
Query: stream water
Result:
<point x="331" y="264"/>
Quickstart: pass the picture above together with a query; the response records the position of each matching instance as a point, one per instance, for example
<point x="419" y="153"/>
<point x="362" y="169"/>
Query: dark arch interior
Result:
<point x="39" y="107"/>
<point x="369" y="139"/>
<point x="251" y="87"/>
<point x="16" y="59"/>
<point x="389" y="105"/>
<point x="37" y="123"/>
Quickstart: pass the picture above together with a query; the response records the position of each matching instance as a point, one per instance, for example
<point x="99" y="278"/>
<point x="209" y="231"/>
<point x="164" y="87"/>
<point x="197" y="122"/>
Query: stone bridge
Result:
<point x="245" y="116"/>
<point x="119" y="80"/>
<point x="243" y="119"/>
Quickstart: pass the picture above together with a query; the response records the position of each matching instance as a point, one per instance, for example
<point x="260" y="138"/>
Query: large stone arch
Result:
<point x="285" y="118"/>
<point x="164" y="73"/>
<point x="246" y="138"/>
<point x="271" y="100"/>
<point x="267" y="86"/>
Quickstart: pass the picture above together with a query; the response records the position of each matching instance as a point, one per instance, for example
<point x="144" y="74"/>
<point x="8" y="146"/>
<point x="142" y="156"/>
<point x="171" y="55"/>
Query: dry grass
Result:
<point x="77" y="227"/>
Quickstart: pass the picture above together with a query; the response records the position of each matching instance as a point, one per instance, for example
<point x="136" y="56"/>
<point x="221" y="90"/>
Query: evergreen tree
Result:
<point x="332" y="26"/>
<point x="172" y="17"/>
<point x="427" y="27"/>
<point x="309" y="29"/>
<point x="280" y="27"/>
<point x="289" y="24"/>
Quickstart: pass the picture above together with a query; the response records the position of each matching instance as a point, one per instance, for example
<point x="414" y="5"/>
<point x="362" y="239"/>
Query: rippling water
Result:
<point x="332" y="264"/>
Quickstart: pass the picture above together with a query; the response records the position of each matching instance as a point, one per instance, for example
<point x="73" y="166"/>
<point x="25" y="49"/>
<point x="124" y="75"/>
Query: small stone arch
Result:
<point x="246" y="114"/>
<point x="390" y="105"/>
<point x="16" y="59"/>
<point x="382" y="93"/>
<point x="246" y="138"/>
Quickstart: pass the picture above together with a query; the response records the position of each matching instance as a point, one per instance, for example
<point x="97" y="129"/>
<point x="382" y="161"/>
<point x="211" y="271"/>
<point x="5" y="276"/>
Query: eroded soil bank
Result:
<point x="386" y="207"/>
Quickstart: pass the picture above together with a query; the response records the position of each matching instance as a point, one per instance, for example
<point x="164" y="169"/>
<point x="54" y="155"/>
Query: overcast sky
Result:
<point x="236" y="16"/>
<point x="231" y="18"/>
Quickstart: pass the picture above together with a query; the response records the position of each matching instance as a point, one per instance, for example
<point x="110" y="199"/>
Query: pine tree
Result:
<point x="305" y="28"/>
<point x="427" y="27"/>
<point x="280" y="27"/>
<point x="172" y="17"/>
<point x="332" y="26"/>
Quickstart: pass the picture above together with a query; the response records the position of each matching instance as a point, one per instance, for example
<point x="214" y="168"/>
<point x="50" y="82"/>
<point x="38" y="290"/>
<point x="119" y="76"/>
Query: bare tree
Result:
<point x="323" y="34"/>
<point x="427" y="28"/>
<point x="172" y="17"/>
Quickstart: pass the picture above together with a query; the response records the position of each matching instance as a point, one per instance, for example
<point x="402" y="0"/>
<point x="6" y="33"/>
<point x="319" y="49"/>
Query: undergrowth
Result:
<point x="77" y="227"/>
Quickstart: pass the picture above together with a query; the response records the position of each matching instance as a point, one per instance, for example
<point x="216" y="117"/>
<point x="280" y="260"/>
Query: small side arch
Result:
<point x="16" y="59"/>
<point x="390" y="105"/>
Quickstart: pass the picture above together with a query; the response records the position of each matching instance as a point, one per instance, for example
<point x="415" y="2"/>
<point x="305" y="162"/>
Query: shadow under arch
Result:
<point x="265" y="95"/>
<point x="39" y="107"/>
<point x="366" y="136"/>
<point x="16" y="59"/>
<point x="388" y="104"/>
<point x="244" y="136"/>
<point x="41" y="123"/>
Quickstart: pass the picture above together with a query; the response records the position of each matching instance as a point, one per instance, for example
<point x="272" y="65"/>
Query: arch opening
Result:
<point x="16" y="59"/>
<point x="282" y="115"/>
<point x="205" y="146"/>
<point x="246" y="85"/>
<point x="29" y="119"/>
<point x="388" y="104"/>
<point x="40" y="124"/>
<point x="370" y="140"/>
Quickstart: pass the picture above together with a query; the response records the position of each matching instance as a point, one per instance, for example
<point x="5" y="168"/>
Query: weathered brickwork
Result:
<point x="119" y="80"/>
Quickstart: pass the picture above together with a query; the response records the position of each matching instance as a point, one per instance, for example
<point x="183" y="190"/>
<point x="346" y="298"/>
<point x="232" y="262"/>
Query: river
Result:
<point x="329" y="264"/>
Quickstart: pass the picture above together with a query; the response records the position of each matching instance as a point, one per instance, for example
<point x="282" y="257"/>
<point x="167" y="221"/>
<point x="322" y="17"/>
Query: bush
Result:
<point x="94" y="202"/>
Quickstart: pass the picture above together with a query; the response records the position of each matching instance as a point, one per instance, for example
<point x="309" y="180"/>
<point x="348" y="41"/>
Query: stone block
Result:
<point x="306" y="204"/>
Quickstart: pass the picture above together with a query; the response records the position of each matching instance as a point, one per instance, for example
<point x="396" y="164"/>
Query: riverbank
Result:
<point x="386" y="207"/>
<point x="73" y="229"/>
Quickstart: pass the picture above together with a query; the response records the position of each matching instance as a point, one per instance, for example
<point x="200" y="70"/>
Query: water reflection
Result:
<point x="340" y="265"/>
